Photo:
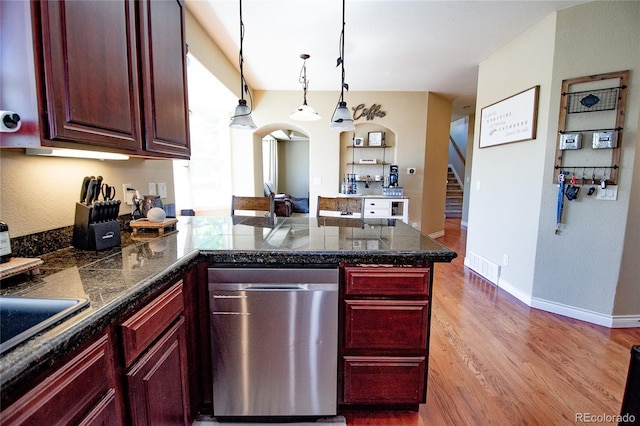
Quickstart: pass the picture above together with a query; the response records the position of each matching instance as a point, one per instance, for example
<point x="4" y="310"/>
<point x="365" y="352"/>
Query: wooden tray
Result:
<point x="18" y="265"/>
<point x="159" y="226"/>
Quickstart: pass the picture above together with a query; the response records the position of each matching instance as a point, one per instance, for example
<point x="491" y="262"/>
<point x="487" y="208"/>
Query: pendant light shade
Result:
<point x="242" y="116"/>
<point x="304" y="112"/>
<point x="342" y="120"/>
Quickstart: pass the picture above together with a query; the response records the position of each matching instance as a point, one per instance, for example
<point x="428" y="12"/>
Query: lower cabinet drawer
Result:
<point x="377" y="208"/>
<point x="139" y="331"/>
<point x="379" y="380"/>
<point x="377" y="204"/>
<point x="377" y="212"/>
<point x="386" y="324"/>
<point x="386" y="281"/>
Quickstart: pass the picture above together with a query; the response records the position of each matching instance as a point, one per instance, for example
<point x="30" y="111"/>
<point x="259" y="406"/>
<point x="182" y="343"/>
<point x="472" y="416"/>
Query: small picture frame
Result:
<point x="376" y="138"/>
<point x="358" y="141"/>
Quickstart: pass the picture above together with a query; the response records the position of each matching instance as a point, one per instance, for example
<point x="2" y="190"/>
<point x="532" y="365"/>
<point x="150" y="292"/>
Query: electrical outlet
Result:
<point x="162" y="189"/>
<point x="128" y="193"/>
<point x="152" y="189"/>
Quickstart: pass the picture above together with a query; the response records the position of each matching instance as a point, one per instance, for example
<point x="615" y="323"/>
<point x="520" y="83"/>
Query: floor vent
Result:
<point x="483" y="267"/>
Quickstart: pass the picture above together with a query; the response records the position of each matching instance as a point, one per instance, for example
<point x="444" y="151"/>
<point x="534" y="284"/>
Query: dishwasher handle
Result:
<point x="270" y="287"/>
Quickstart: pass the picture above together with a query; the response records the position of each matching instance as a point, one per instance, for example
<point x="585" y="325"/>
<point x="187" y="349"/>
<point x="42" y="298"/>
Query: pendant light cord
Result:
<point x="244" y="87"/>
<point x="342" y="54"/>
<point x="341" y="60"/>
<point x="303" y="77"/>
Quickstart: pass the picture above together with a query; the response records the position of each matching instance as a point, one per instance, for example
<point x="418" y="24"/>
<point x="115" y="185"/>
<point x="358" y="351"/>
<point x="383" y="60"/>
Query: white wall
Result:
<point x="293" y="168"/>
<point x="506" y="180"/>
<point x="587" y="273"/>
<point x="513" y="198"/>
<point x="39" y="193"/>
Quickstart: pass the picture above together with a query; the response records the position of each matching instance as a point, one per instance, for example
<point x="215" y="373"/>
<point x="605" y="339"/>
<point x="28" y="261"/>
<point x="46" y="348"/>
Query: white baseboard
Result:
<point x="609" y="321"/>
<point x="625" y="321"/>
<point x="522" y="296"/>
<point x="437" y="234"/>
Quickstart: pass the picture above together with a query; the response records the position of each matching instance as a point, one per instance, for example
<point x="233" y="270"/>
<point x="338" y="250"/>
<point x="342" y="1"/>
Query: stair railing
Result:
<point x="457" y="150"/>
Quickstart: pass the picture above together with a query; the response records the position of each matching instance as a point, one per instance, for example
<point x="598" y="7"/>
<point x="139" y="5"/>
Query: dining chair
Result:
<point x="340" y="211"/>
<point x="253" y="204"/>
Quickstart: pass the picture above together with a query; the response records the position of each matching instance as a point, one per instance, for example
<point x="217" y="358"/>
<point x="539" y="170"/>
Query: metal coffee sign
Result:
<point x="369" y="114"/>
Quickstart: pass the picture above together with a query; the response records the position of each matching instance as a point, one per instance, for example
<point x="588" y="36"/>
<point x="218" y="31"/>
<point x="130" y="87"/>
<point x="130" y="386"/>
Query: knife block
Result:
<point x="94" y="236"/>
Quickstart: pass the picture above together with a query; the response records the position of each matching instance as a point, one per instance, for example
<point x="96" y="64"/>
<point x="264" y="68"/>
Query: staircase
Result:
<point x="453" y="204"/>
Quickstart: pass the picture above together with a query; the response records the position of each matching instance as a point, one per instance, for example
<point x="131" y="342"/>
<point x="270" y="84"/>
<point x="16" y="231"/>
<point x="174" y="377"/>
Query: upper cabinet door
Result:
<point x="91" y="72"/>
<point x="164" y="77"/>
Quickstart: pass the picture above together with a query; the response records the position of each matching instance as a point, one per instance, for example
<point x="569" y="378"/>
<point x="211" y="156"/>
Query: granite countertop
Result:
<point x="114" y="280"/>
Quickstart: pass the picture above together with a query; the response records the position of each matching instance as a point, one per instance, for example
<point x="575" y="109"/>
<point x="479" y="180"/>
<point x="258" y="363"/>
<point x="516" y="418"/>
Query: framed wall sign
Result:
<point x="358" y="141"/>
<point x="512" y="119"/>
<point x="376" y="138"/>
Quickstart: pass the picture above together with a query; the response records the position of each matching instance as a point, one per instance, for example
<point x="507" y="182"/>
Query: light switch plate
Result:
<point x="162" y="189"/>
<point x="610" y="193"/>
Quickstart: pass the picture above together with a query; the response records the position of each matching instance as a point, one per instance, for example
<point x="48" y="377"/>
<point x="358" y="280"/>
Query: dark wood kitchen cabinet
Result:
<point x="164" y="77"/>
<point x="82" y="390"/>
<point x="91" y="73"/>
<point x="157" y="383"/>
<point x="149" y="366"/>
<point x="385" y="335"/>
<point x="155" y="352"/>
<point x="110" y="75"/>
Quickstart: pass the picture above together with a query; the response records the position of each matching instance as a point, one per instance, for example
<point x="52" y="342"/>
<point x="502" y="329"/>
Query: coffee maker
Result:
<point x="393" y="175"/>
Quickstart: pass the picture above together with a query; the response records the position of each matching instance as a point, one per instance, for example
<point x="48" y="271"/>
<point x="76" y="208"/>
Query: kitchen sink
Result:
<point x="24" y="317"/>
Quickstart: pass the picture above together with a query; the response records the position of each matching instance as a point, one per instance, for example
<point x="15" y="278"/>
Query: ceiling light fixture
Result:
<point x="242" y="116"/>
<point x="342" y="120"/>
<point x="304" y="112"/>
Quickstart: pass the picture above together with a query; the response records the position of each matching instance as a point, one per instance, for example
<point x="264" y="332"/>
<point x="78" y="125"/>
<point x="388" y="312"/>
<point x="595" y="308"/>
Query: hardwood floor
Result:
<point x="495" y="361"/>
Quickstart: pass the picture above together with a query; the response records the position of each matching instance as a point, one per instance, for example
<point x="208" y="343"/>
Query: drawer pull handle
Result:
<point x="216" y="296"/>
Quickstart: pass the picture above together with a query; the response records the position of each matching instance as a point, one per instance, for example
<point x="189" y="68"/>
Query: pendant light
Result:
<point x="342" y="120"/>
<point x="242" y="116"/>
<point x="304" y="112"/>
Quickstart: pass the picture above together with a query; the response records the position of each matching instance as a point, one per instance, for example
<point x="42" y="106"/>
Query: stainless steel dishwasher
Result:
<point x="274" y="335"/>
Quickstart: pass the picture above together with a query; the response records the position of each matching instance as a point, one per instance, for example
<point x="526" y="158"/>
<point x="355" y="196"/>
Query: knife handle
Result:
<point x="84" y="188"/>
<point x="93" y="214"/>
<point x="91" y="192"/>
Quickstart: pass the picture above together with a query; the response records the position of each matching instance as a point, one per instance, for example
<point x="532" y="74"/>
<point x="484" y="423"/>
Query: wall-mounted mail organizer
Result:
<point x="590" y="124"/>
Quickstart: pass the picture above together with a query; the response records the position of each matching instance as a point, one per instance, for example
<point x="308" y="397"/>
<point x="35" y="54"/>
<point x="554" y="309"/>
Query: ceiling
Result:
<point x="390" y="45"/>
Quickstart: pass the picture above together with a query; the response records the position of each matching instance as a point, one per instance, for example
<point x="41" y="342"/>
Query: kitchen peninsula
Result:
<point x="386" y="271"/>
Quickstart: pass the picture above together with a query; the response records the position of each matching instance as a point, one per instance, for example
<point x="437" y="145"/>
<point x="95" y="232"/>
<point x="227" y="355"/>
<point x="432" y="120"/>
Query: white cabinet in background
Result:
<point x="386" y="207"/>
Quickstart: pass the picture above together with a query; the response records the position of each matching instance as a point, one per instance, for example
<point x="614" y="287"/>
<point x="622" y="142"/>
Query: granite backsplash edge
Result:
<point x="41" y="243"/>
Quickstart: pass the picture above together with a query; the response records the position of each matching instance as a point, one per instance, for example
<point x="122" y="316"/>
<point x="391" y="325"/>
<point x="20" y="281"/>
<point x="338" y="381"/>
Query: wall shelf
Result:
<point x="350" y="154"/>
<point x="589" y="105"/>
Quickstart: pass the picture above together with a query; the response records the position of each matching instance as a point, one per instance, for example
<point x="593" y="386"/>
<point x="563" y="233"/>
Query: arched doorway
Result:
<point x="285" y="154"/>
